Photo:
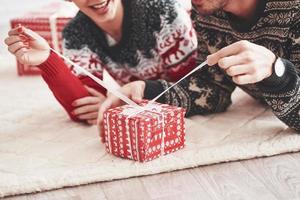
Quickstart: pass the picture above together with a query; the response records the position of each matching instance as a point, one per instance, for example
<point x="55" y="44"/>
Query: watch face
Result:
<point x="279" y="67"/>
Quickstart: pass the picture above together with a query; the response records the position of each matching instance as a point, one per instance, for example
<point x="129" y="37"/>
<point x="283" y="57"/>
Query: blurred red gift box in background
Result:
<point x="48" y="22"/>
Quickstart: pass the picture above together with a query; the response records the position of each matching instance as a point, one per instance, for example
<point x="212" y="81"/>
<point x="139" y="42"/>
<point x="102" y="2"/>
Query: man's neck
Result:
<point x="241" y="8"/>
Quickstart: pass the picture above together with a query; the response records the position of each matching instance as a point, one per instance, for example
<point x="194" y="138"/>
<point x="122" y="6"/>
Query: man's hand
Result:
<point x="244" y="61"/>
<point x="29" y="49"/>
<point x="133" y="90"/>
<point x="87" y="107"/>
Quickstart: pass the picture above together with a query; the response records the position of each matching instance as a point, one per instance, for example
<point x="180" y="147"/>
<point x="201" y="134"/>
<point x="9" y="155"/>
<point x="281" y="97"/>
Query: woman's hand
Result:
<point x="86" y="108"/>
<point x="133" y="90"/>
<point x="28" y="47"/>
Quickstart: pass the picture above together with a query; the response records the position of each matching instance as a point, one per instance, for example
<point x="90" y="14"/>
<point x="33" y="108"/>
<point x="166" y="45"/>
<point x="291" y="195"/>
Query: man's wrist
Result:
<point x="271" y="66"/>
<point x="280" y="77"/>
<point x="277" y="71"/>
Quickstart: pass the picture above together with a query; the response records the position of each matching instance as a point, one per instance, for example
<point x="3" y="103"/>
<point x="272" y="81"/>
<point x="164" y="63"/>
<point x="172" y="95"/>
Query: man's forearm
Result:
<point x="196" y="94"/>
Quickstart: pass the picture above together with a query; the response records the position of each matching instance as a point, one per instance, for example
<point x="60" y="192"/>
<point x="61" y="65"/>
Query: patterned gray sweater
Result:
<point x="276" y="27"/>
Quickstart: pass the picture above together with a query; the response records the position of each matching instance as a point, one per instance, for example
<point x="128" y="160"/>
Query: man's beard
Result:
<point x="208" y="7"/>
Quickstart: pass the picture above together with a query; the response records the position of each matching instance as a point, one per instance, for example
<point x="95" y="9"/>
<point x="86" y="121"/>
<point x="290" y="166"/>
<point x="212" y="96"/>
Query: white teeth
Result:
<point x="100" y="5"/>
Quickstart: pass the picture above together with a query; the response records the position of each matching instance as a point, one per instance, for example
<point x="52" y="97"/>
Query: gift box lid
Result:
<point x="153" y="109"/>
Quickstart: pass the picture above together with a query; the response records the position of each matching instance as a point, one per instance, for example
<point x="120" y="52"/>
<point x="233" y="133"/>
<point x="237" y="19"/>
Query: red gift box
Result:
<point x="145" y="135"/>
<point x="48" y="22"/>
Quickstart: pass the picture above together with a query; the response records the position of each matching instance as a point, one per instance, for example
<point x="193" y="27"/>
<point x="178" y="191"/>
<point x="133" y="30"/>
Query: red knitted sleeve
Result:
<point x="65" y="86"/>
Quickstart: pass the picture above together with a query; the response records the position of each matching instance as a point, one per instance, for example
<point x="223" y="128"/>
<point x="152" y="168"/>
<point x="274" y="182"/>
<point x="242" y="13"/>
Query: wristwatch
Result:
<point x="278" y="67"/>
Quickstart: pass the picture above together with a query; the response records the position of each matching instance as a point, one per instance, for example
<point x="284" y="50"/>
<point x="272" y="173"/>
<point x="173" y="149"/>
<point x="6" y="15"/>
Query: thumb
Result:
<point x="213" y="59"/>
<point x="138" y="92"/>
<point x="137" y="96"/>
<point x="31" y="35"/>
<point x="37" y="40"/>
<point x="104" y="107"/>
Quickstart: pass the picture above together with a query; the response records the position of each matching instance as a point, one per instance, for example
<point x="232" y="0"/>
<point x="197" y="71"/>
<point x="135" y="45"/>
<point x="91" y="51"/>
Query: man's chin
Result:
<point x="205" y="11"/>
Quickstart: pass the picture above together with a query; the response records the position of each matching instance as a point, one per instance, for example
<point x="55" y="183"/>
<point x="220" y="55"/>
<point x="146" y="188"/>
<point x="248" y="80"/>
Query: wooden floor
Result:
<point x="268" y="178"/>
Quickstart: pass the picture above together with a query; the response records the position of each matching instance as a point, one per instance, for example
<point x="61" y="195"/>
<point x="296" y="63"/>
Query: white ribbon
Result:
<point x="53" y="30"/>
<point x="132" y="111"/>
<point x="113" y="90"/>
<point x="108" y="136"/>
<point x="198" y="67"/>
<point x="66" y="9"/>
<point x="136" y="108"/>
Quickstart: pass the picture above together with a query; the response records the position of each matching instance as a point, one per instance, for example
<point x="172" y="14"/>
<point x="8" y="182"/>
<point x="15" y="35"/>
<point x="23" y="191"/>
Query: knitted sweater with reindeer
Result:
<point x="276" y="26"/>
<point x="158" y="42"/>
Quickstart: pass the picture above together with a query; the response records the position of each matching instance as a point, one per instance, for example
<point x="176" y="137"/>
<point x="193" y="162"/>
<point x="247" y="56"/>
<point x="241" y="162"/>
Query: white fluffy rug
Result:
<point x="40" y="149"/>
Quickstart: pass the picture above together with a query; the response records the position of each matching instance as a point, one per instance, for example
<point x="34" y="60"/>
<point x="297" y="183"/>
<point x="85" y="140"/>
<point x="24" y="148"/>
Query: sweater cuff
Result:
<point x="152" y="89"/>
<point x="275" y="83"/>
<point x="52" y="65"/>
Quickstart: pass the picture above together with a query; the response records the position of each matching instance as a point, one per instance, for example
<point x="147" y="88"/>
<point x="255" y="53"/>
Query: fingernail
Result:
<point x="138" y="100"/>
<point x="26" y="43"/>
<point x="208" y="58"/>
<point x="20" y="29"/>
<point x="23" y="38"/>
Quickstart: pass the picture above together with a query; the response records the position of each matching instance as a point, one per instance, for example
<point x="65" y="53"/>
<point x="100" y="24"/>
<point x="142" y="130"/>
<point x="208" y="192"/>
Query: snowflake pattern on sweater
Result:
<point x="276" y="27"/>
